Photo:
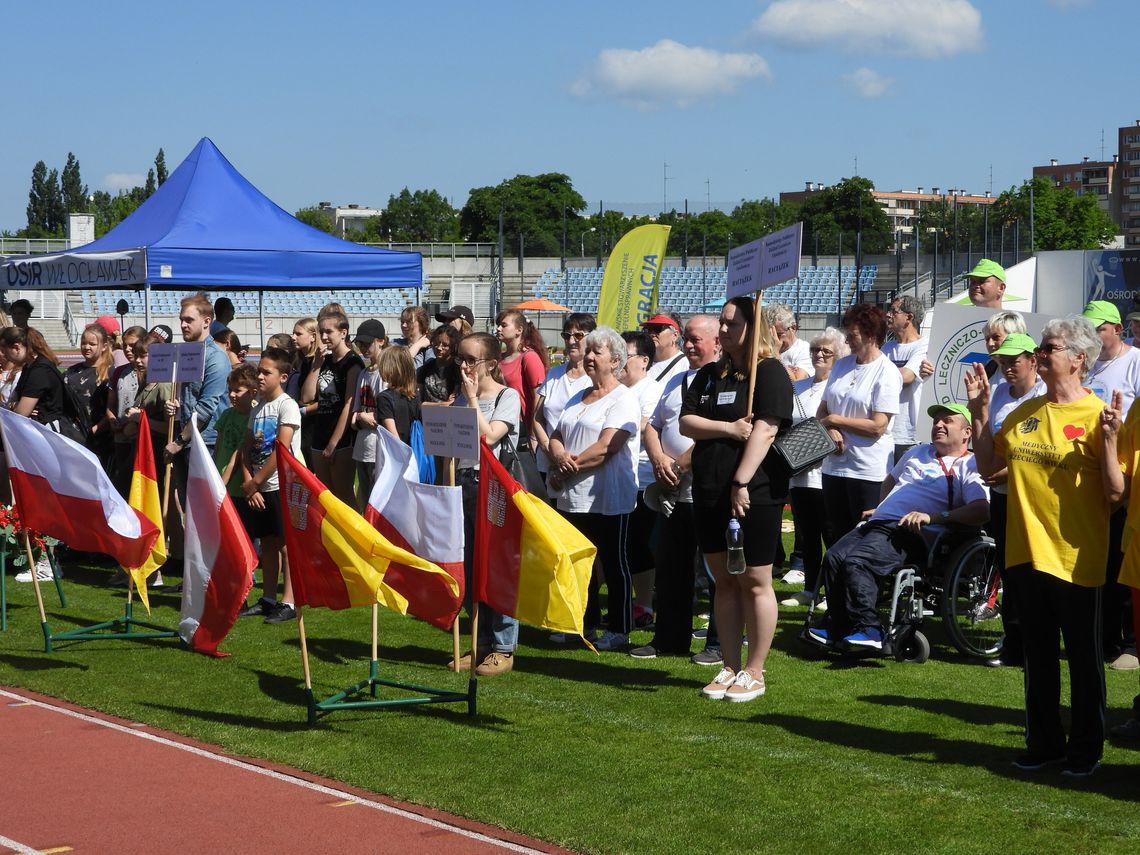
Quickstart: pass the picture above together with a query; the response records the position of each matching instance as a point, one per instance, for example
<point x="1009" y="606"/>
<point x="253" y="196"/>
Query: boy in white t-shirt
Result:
<point x="276" y="417"/>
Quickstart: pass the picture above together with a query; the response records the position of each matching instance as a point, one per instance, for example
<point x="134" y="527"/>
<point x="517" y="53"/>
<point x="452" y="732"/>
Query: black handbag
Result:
<point x="521" y="464"/>
<point x="804" y="444"/>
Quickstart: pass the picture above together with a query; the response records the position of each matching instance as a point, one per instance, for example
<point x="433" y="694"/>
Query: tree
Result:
<point x="317" y="218"/>
<point x="72" y="188"/>
<point x="150" y="187"/>
<point x="754" y="218"/>
<point x="56" y="212"/>
<point x="419" y="217"/>
<point x="160" y="167"/>
<point x="38" y="199"/>
<point x="848" y="208"/>
<point x="1062" y="219"/>
<point x="533" y="206"/>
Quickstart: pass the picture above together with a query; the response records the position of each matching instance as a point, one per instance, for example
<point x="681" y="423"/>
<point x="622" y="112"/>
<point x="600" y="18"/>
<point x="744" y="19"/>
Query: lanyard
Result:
<point x="948" y="471"/>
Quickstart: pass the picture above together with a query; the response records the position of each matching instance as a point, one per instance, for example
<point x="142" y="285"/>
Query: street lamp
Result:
<point x="582" y="240"/>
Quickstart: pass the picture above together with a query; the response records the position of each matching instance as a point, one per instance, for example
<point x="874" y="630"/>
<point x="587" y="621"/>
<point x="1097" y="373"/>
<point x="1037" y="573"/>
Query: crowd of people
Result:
<point x="657" y="444"/>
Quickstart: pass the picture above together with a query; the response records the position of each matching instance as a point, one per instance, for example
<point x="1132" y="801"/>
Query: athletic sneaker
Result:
<point x="1032" y="762"/>
<point x="646" y="652"/>
<point x="1080" y="768"/>
<point x="717" y="688"/>
<point x="261" y="608"/>
<point x="43" y="572"/>
<point x="496" y="663"/>
<point x="642" y="618"/>
<point x="745" y="687"/>
<point x="1129" y="730"/>
<point x="708" y="656"/>
<point x="868" y="637"/>
<point x="793" y="577"/>
<point x="799" y="598"/>
<point x="819" y="635"/>
<point x="281" y="613"/>
<point x="611" y="641"/>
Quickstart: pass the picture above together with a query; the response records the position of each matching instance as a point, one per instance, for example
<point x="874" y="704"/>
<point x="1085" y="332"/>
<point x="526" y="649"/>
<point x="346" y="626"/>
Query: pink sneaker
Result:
<point x="720" y="684"/>
<point x="745" y="687"/>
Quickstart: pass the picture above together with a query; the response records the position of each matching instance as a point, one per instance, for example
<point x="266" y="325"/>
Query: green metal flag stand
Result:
<point x="55" y="575"/>
<point x="124" y="627"/>
<point x="339" y="701"/>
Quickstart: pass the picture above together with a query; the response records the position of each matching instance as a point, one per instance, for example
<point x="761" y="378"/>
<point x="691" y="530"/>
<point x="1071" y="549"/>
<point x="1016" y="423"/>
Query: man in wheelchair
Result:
<point x="932" y="486"/>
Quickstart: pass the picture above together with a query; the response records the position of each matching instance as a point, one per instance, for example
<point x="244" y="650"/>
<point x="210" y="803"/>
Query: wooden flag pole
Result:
<point x="375" y="612"/>
<point x="753" y="349"/>
<point x="309" y="700"/>
<point x="35" y="581"/>
<point x="454" y="623"/>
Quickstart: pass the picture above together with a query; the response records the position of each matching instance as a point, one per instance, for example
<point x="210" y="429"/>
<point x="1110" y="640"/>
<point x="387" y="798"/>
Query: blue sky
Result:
<point x="352" y="102"/>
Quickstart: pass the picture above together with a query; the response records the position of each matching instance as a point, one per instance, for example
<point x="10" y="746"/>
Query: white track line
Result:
<point x="269" y="773"/>
<point x="17" y="847"/>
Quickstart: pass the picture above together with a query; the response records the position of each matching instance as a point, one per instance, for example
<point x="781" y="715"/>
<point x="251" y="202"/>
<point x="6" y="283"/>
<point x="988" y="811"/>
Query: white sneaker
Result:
<point x="821" y="605"/>
<point x="43" y="572"/>
<point x="793" y="577"/>
<point x="799" y="598"/>
<point x="155" y="580"/>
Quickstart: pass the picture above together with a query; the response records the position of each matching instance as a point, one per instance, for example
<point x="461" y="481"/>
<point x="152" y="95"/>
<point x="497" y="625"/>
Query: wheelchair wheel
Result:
<point x="913" y="647"/>
<point x="971" y="599"/>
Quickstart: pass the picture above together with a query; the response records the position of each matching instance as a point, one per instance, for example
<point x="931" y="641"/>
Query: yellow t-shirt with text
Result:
<point x="1058" y="516"/>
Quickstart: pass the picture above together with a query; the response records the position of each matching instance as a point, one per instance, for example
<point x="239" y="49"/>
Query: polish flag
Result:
<point x="61" y="490"/>
<point x="424" y="519"/>
<point x="219" y="557"/>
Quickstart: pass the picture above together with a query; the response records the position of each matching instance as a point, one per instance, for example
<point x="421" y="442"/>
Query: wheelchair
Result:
<point x="959" y="580"/>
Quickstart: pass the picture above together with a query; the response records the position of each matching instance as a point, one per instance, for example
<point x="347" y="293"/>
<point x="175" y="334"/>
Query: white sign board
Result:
<point x="957" y="343"/>
<point x="80" y="229"/>
<point x="762" y="263"/>
<point x="77" y="270"/>
<point x="188" y="357"/>
<point x="451" y="432"/>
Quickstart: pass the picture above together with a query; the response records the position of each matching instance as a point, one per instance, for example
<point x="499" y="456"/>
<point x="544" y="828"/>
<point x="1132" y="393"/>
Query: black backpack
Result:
<point x="76" y="421"/>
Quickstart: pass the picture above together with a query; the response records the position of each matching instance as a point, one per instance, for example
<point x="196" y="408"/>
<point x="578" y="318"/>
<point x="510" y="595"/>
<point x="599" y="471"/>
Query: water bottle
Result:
<point x="734" y="539"/>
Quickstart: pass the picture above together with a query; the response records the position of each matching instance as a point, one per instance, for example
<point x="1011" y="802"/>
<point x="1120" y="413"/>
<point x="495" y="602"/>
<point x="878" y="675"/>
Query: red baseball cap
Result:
<point x="109" y="324"/>
<point x="662" y="321"/>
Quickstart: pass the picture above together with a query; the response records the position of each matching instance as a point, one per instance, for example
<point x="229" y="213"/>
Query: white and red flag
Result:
<point x="61" y="490"/>
<point x="424" y="519"/>
<point x="219" y="557"/>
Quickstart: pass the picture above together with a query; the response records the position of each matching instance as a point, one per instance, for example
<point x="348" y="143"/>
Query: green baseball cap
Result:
<point x="958" y="409"/>
<point x="1016" y="344"/>
<point x="986" y="268"/>
<point x="1102" y="312"/>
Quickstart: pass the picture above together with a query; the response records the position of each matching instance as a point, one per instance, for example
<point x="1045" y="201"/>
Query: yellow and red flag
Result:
<point x="144" y="498"/>
<point x="530" y="563"/>
<point x="336" y="558"/>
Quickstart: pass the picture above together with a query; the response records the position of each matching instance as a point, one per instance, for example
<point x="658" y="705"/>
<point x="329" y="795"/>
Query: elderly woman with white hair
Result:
<point x="814" y="527"/>
<point x="1060" y="451"/>
<point x="593" y="475"/>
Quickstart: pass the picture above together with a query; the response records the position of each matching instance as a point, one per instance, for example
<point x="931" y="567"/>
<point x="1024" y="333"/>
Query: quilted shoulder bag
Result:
<point x="805" y="443"/>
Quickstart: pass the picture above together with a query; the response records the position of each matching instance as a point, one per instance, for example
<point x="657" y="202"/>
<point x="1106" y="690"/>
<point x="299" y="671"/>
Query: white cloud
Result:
<point x="115" y="181"/>
<point x="926" y="29"/>
<point x="668" y="72"/>
<point x="867" y="83"/>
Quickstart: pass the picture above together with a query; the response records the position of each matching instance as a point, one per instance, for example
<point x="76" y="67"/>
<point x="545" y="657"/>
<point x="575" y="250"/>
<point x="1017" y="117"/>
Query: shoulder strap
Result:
<point x="669" y="367"/>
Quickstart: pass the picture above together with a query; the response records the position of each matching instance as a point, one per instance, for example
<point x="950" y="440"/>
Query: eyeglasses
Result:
<point x="893" y="311"/>
<point x="822" y="351"/>
<point x="573" y="336"/>
<point x="463" y="359"/>
<point x="1051" y="348"/>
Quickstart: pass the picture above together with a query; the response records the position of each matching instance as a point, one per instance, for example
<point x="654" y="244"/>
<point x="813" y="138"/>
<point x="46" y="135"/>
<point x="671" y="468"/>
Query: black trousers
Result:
<point x="1051" y="609"/>
<point x="1011" y="646"/>
<point x="852" y="570"/>
<point x="676" y="562"/>
<point x="813" y="529"/>
<point x="608" y="534"/>
<point x="1116" y="604"/>
<point x="846" y="498"/>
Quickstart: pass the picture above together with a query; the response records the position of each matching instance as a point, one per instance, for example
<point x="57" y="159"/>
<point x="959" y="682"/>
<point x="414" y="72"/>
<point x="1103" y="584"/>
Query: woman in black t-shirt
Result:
<point x="40" y="387"/>
<point x="734" y="475"/>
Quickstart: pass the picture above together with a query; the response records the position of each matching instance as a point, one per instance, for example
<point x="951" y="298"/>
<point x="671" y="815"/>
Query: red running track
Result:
<point x="72" y="780"/>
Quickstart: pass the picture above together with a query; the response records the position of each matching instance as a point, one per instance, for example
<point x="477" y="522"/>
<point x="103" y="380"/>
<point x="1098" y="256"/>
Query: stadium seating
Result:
<point x="819" y="290"/>
<point x="365" y="302"/>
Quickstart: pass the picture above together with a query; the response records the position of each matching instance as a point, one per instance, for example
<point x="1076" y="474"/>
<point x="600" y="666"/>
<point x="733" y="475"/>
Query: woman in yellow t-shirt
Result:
<point x="1060" y="450"/>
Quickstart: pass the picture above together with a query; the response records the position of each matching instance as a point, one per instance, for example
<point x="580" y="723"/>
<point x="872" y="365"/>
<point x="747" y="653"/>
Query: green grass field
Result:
<point x="610" y="754"/>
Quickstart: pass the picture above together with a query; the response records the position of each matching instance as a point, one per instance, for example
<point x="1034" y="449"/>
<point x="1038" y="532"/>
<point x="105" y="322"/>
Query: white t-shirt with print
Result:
<point x="921" y="485"/>
<point x="909" y="355"/>
<point x="648" y="393"/>
<point x="555" y="391"/>
<point x="264" y="420"/>
<point x="857" y="391"/>
<point x="798" y="356"/>
<point x="1121" y="373"/>
<point x="369" y="385"/>
<point x="611" y="488"/>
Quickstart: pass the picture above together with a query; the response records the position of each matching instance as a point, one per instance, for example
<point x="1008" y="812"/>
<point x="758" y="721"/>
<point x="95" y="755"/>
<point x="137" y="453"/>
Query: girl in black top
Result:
<point x="396" y="406"/>
<point x="90" y="380"/>
<point x="40" y="387"/>
<point x="734" y="475"/>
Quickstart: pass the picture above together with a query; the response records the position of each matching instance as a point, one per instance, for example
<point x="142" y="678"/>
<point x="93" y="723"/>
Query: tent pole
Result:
<point x="261" y="315"/>
<point x="146" y="302"/>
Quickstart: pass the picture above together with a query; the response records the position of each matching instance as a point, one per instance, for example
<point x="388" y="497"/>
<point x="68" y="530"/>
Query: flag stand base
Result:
<point x="124" y="627"/>
<point x="56" y="576"/>
<point x="372" y="686"/>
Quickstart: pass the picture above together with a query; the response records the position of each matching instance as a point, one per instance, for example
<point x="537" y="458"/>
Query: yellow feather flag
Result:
<point x="629" y="285"/>
<point x="145" y="499"/>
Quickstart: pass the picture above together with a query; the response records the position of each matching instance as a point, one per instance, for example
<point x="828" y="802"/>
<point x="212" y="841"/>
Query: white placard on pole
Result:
<point x="451" y="432"/>
<point x="189" y="355"/>
<point x="780" y="257"/>
<point x="744" y="269"/>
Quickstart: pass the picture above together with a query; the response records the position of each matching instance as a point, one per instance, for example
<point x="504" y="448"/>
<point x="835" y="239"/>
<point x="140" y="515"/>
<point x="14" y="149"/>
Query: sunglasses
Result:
<point x="657" y="329"/>
<point x="822" y="351"/>
<point x="573" y="336"/>
<point x="1051" y="348"/>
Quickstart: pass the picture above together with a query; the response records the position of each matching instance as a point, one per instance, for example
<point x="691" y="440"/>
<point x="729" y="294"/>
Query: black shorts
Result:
<point x="761" y="527"/>
<point x="261" y="522"/>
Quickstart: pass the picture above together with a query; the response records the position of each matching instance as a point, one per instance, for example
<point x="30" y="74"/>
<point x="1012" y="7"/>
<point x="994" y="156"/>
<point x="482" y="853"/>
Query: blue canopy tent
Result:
<point x="207" y="228"/>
